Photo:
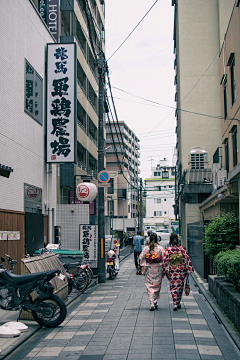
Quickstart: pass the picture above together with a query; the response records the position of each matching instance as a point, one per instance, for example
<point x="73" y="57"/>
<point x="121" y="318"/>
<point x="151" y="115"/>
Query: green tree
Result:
<point x="221" y="234"/>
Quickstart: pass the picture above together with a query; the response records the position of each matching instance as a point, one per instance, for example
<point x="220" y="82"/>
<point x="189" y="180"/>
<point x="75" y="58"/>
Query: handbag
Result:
<point x="187" y="287"/>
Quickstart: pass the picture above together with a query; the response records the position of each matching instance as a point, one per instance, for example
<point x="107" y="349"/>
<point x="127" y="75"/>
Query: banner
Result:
<point x="89" y="244"/>
<point x="61" y="103"/>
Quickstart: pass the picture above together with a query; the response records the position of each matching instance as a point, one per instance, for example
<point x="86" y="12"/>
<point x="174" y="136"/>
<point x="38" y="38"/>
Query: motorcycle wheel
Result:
<point x="81" y="280"/>
<point x="54" y="313"/>
<point x="110" y="273"/>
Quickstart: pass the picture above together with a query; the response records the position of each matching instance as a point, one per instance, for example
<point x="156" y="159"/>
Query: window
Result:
<point x="157" y="188"/>
<point x="235" y="149"/>
<point x="155" y="173"/>
<point x="165" y="212"/>
<point x="225" y="99"/>
<point x="157" y="213"/>
<point x="111" y="187"/>
<point x="227" y="156"/>
<point x="231" y="64"/>
<point x="157" y="201"/>
<point x="165" y="199"/>
<point x="33" y="93"/>
<point x="233" y="82"/>
<point x="165" y="174"/>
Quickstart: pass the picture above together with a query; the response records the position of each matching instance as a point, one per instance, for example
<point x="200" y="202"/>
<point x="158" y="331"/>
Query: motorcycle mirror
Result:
<point x="2" y="259"/>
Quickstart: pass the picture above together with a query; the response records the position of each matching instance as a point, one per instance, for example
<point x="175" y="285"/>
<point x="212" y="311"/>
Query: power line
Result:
<point x="132" y="30"/>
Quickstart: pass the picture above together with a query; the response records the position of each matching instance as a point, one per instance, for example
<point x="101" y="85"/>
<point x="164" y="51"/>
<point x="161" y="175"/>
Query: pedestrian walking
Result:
<point x="176" y="266"/>
<point x="152" y="258"/>
<point x="137" y="248"/>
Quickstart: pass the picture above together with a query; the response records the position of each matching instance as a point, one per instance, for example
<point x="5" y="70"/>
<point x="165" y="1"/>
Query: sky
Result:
<point x="144" y="67"/>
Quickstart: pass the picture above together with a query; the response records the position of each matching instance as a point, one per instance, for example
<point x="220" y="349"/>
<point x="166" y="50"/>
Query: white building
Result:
<point x="160" y="195"/>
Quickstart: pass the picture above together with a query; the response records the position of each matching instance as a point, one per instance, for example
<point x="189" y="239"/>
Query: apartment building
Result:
<point x="122" y="162"/>
<point x="37" y="195"/>
<point x="159" y="195"/>
<point x="199" y="28"/>
<point x="226" y="158"/>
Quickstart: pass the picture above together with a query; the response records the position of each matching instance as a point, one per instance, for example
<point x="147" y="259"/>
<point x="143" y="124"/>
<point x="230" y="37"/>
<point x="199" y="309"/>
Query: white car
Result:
<point x="164" y="233"/>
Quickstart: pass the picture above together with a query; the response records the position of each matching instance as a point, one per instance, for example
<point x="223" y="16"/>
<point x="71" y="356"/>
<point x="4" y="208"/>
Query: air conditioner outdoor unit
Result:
<point x="221" y="177"/>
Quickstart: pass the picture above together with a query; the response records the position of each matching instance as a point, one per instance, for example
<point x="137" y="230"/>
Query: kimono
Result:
<point x="153" y="272"/>
<point x="176" y="266"/>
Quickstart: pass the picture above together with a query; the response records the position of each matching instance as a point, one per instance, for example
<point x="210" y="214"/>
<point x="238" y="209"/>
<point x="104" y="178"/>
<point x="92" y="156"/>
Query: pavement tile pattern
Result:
<point x="112" y="321"/>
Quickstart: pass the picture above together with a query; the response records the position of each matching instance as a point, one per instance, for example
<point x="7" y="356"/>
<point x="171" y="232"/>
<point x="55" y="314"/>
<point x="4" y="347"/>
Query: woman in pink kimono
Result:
<point x="176" y="266"/>
<point x="151" y="259"/>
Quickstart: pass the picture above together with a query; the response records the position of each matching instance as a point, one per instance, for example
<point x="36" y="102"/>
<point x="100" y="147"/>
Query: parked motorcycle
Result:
<point x="112" y="269"/>
<point x="48" y="309"/>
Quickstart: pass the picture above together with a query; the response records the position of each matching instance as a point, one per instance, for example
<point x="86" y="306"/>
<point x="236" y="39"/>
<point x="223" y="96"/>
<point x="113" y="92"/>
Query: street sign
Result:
<point x="103" y="176"/>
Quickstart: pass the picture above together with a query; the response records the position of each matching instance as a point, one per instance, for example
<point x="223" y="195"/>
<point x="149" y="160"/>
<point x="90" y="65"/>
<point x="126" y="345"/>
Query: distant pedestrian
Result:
<point x="151" y="258"/>
<point x="137" y="248"/>
<point x="146" y="242"/>
<point x="176" y="266"/>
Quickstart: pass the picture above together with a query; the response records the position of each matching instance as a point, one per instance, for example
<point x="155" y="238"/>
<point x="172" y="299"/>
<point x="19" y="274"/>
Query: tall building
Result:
<point x="37" y="195"/>
<point x="122" y="162"/>
<point x="199" y="28"/>
<point x="160" y="195"/>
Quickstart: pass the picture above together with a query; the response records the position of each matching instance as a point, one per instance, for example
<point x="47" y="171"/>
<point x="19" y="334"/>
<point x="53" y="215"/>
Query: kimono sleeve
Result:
<point x="189" y="267"/>
<point x="165" y="262"/>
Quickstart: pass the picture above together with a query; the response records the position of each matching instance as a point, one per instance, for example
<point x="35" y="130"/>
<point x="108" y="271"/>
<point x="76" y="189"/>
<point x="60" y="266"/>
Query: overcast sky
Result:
<point x="144" y="67"/>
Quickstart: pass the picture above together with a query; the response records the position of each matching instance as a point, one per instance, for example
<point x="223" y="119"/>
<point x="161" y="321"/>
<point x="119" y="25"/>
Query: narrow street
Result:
<point x="112" y="321"/>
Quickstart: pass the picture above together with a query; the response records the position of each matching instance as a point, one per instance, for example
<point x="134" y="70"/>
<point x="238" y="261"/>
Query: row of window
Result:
<point x="159" y="213"/>
<point x="164" y="174"/>
<point x="158" y="201"/>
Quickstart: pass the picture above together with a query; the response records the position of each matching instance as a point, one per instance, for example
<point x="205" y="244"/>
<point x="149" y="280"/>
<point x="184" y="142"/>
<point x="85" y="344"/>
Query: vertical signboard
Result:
<point x="61" y="103"/>
<point x="89" y="244"/>
<point x="49" y="11"/>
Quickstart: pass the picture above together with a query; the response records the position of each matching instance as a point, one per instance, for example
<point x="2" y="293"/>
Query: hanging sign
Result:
<point x="86" y="191"/>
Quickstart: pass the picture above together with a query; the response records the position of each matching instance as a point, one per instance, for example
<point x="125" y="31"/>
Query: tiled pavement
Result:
<point x="112" y="321"/>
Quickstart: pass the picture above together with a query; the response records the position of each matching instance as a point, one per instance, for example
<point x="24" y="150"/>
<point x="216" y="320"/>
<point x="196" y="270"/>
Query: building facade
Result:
<point x="226" y="158"/>
<point x="159" y="195"/>
<point x="122" y="162"/>
<point x="39" y="196"/>
<point x="199" y="29"/>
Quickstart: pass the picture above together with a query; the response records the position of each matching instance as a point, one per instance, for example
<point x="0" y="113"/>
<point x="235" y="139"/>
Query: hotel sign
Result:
<point x="49" y="11"/>
<point x="61" y="103"/>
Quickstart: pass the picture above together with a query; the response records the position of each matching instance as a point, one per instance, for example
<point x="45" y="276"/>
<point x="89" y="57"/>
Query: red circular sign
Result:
<point x="82" y="191"/>
<point x="33" y="192"/>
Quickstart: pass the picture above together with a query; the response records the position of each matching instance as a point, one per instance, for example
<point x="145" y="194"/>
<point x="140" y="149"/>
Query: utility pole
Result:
<point x="101" y="215"/>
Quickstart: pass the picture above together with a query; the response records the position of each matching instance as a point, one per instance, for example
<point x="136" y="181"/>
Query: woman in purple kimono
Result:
<point x="151" y="259"/>
<point x="176" y="266"/>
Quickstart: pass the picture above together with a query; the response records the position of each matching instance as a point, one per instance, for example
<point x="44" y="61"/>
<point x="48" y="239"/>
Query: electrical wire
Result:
<point x="132" y="30"/>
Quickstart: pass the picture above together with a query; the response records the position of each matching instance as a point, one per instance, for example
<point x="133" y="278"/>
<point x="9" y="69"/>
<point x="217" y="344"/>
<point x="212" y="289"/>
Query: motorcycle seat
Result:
<point x="21" y="279"/>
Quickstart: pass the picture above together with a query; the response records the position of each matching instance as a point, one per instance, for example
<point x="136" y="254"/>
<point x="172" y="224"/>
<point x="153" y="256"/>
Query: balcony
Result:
<point x="198" y="176"/>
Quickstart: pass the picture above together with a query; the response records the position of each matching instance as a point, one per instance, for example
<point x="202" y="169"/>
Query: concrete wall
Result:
<point x="69" y="221"/>
<point x="227" y="298"/>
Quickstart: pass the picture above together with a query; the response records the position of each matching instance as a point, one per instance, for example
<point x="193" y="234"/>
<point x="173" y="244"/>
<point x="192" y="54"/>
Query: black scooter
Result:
<point x="48" y="309"/>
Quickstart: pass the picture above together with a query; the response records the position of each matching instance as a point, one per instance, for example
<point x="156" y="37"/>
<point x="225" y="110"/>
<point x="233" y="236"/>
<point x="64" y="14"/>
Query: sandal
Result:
<point x="152" y="307"/>
<point x="156" y="304"/>
<point x="175" y="308"/>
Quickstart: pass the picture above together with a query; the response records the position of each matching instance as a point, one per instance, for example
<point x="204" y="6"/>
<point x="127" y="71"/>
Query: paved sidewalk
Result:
<point x="112" y="321"/>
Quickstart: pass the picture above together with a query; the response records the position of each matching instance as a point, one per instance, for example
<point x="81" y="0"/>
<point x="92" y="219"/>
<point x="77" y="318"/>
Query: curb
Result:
<point x="217" y="312"/>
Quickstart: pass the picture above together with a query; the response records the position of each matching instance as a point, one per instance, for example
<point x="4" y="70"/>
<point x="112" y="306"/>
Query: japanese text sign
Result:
<point x="89" y="243"/>
<point x="61" y="103"/>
